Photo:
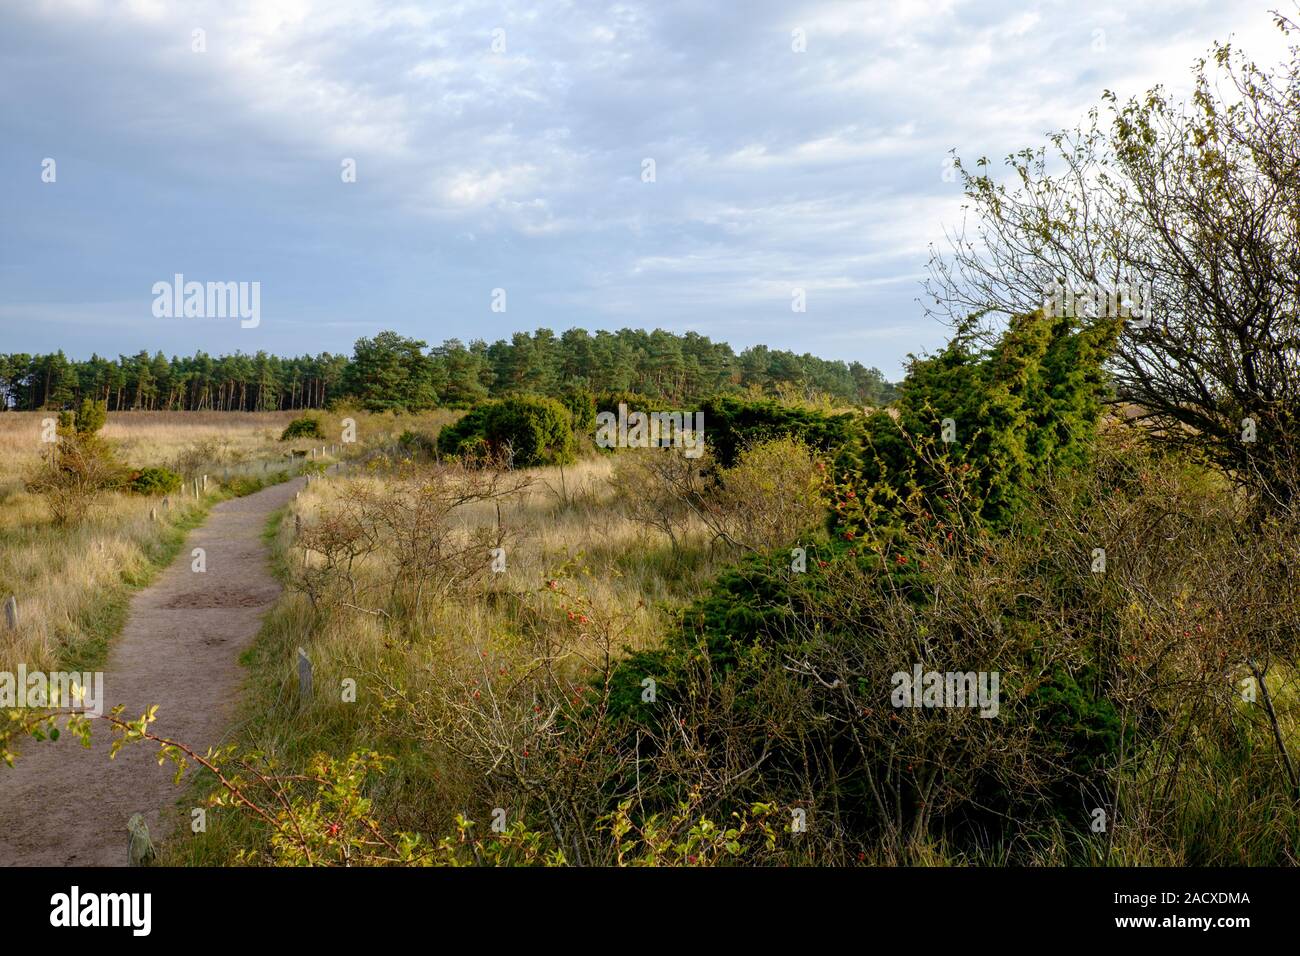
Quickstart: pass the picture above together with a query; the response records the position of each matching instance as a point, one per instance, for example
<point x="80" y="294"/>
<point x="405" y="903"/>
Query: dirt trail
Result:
<point x="61" y="804"/>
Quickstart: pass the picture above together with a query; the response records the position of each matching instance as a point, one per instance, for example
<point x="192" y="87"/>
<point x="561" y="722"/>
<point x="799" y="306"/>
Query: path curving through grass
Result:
<point x="64" y="805"/>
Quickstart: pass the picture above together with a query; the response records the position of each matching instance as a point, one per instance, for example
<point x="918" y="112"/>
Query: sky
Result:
<point x="504" y="146"/>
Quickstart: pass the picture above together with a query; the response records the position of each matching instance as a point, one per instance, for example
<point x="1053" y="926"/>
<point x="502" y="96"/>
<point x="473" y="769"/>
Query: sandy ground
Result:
<point x="62" y="804"/>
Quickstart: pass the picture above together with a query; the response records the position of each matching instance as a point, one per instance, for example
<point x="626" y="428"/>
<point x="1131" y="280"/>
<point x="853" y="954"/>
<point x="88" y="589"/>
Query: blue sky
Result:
<point x="521" y="168"/>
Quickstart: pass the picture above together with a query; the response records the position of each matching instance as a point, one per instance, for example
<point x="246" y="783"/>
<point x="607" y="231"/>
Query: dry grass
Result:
<point x="571" y="528"/>
<point x="72" y="584"/>
<point x="569" y="524"/>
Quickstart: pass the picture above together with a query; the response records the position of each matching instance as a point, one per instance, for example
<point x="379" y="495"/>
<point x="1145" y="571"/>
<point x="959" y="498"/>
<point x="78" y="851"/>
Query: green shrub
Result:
<point x="921" y="569"/>
<point x="467" y="435"/>
<point x="581" y="404"/>
<point x="790" y="673"/>
<point x="79" y="467"/>
<point x="305" y="427"/>
<point x="533" y="430"/>
<point x="86" y="420"/>
<point x="733" y="424"/>
<point x="154" y="481"/>
<point x="1019" y="411"/>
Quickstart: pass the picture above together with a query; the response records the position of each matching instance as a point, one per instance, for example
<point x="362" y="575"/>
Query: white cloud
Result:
<point x="823" y="166"/>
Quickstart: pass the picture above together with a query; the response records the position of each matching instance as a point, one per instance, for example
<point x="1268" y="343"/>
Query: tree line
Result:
<point x="390" y="372"/>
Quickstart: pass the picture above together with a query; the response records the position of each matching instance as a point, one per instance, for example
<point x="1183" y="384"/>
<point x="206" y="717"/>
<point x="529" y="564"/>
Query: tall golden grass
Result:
<point x="72" y="583"/>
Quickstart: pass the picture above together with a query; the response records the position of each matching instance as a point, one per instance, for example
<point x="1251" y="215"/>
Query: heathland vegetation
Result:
<point x="1037" y="607"/>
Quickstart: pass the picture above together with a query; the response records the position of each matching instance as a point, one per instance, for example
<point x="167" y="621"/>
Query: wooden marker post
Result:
<point x="304" y="678"/>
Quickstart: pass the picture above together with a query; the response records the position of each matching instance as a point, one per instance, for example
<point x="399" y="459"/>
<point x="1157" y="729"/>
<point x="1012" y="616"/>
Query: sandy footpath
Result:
<point x="62" y="804"/>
